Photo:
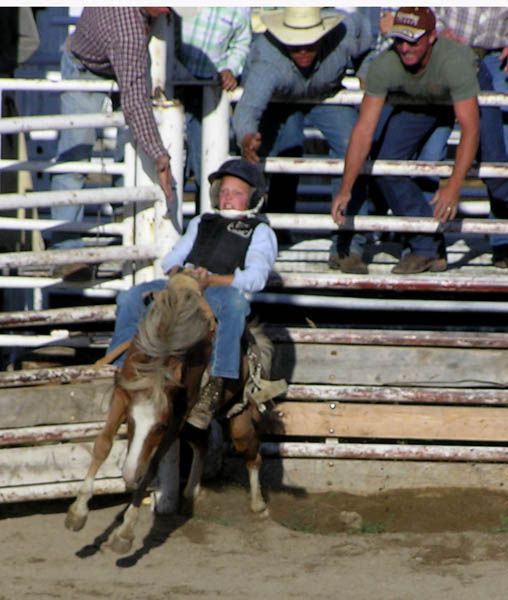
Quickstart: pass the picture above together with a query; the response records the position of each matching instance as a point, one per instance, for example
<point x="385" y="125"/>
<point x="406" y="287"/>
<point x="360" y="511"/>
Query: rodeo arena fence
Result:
<point x="428" y="398"/>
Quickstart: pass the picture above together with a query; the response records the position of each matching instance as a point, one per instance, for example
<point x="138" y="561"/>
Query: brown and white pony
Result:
<point x="155" y="391"/>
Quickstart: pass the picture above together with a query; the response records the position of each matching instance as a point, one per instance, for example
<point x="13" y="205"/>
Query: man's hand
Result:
<point x="338" y="208"/>
<point x="445" y="203"/>
<point x="503" y="59"/>
<point x="227" y="80"/>
<point x="165" y="179"/>
<point x="250" y="145"/>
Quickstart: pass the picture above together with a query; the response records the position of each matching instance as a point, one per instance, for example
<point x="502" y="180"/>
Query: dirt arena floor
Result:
<point x="430" y="544"/>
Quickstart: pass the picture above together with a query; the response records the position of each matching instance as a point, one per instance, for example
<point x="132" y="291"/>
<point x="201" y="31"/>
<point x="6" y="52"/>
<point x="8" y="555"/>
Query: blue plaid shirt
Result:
<point x="270" y="73"/>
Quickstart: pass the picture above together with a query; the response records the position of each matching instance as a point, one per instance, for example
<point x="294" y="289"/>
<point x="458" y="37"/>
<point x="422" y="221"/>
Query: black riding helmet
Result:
<point x="245" y="170"/>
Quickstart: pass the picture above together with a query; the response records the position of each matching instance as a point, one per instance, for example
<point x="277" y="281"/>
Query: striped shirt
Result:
<point x="113" y="42"/>
<point x="216" y="39"/>
<point x="483" y="27"/>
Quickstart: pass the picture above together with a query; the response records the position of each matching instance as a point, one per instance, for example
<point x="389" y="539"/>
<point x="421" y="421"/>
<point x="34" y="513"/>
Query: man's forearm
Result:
<point x="466" y="152"/>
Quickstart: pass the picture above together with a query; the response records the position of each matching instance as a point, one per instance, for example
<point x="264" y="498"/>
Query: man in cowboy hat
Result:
<point x="430" y="82"/>
<point x="303" y="54"/>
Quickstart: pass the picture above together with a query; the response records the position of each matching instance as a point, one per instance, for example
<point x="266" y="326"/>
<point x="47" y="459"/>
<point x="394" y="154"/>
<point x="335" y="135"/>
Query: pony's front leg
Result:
<point x="121" y="539"/>
<point x="77" y="513"/>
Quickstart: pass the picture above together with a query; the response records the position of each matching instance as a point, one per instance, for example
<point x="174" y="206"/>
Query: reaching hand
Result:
<point x="250" y="145"/>
<point x="165" y="178"/>
<point x="338" y="208"/>
<point x="445" y="204"/>
<point x="227" y="80"/>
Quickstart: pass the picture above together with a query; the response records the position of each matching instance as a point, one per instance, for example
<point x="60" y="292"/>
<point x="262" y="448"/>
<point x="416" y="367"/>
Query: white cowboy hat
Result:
<point x="299" y="25"/>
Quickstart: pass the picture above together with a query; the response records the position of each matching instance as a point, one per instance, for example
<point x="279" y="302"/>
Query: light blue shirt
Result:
<point x="271" y="74"/>
<point x="259" y="260"/>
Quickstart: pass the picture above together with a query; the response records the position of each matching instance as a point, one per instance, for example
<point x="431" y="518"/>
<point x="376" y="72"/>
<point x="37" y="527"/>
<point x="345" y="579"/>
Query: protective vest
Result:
<point x="221" y="244"/>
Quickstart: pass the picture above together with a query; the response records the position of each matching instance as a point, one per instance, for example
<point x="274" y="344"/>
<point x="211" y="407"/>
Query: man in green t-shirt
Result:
<point x="431" y="82"/>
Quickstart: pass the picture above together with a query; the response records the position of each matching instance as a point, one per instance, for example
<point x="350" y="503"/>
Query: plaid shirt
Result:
<point x="485" y="28"/>
<point x="112" y="42"/>
<point x="216" y="39"/>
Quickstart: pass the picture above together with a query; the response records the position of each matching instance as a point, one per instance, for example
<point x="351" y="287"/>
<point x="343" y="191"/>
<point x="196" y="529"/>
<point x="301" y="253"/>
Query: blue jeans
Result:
<point x="231" y="309"/>
<point x="281" y="128"/>
<point x="228" y="305"/>
<point x="404" y="136"/>
<point x="74" y="145"/>
<point x="499" y="84"/>
<point x="493" y="149"/>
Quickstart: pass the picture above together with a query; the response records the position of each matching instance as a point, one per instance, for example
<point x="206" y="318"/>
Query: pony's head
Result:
<point x="162" y="374"/>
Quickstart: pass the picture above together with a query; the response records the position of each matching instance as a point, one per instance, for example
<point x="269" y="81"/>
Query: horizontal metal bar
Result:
<point x="384" y="337"/>
<point x="52" y="433"/>
<point x="400" y="395"/>
<point x="442" y="282"/>
<point x="385" y="452"/>
<point x="48" y="491"/>
<point x="391" y="304"/>
<point x="64" y="85"/>
<point x="149" y="193"/>
<point x="49" y="166"/>
<point x="414" y="168"/>
<point x="58" y="316"/>
<point x="18" y="224"/>
<point x="356" y="96"/>
<point x="92" y="120"/>
<point x="311" y="222"/>
<point x="85" y="255"/>
<point x="55" y="375"/>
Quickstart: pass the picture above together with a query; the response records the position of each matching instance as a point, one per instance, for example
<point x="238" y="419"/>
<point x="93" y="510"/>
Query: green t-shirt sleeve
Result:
<point x="378" y="80"/>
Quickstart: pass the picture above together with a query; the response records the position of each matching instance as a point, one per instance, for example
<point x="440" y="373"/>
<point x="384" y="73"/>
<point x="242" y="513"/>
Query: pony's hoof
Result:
<point x="263" y="513"/>
<point x="119" y="544"/>
<point x="75" y="522"/>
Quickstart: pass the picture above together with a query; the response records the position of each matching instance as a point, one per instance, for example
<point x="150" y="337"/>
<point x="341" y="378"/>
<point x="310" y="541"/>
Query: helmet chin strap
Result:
<point x="231" y="213"/>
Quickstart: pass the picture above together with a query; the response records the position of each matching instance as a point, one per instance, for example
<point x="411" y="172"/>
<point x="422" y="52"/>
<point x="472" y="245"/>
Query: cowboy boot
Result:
<point x="210" y="399"/>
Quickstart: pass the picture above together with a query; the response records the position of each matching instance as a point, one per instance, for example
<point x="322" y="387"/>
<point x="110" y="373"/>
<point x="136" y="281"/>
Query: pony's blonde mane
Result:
<point x="174" y="323"/>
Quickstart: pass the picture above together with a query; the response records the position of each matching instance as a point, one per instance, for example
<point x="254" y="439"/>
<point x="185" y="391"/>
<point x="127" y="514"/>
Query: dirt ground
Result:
<point x="428" y="544"/>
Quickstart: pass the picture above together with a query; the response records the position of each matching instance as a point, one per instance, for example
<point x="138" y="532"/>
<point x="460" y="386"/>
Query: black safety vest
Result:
<point x="221" y="244"/>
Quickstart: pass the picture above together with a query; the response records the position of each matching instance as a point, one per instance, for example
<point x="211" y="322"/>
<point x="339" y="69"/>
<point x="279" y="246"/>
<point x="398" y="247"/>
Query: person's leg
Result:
<point x="404" y="134"/>
<point x="73" y="145"/>
<point x="281" y="128"/>
<point x="492" y="149"/>
<point x="336" y="124"/>
<point x="231" y="309"/>
<point x="495" y="67"/>
<point x="131" y="307"/>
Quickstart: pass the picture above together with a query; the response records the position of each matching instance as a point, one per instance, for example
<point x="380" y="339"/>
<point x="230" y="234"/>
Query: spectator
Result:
<point x="215" y="43"/>
<point x="112" y="43"/>
<point x="20" y="39"/>
<point x="420" y="75"/>
<point x="231" y="252"/>
<point x="303" y="55"/>
<point x="486" y="31"/>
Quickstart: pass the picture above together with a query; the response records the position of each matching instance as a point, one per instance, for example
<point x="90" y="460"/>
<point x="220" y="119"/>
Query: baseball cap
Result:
<point x="410" y="23"/>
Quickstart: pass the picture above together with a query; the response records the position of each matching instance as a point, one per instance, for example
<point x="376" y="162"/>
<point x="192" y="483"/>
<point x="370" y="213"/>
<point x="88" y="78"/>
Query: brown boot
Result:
<point x="348" y="263"/>
<point x="210" y="399"/>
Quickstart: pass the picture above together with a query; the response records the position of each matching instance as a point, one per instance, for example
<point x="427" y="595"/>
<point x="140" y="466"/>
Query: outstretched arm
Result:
<point x="446" y="199"/>
<point x="357" y="152"/>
